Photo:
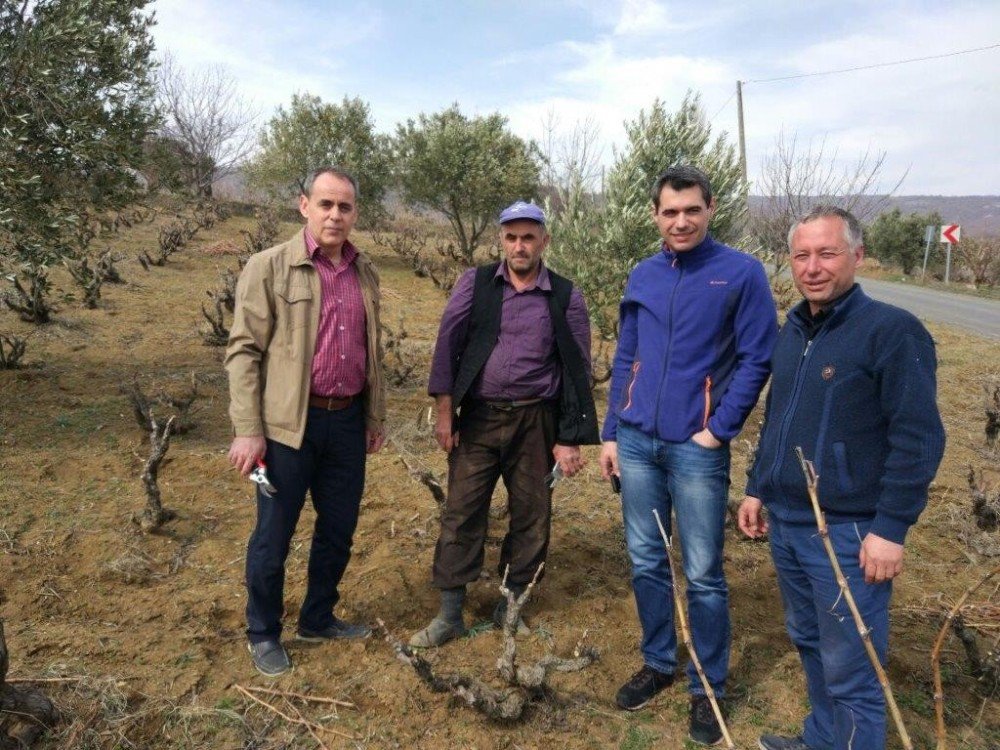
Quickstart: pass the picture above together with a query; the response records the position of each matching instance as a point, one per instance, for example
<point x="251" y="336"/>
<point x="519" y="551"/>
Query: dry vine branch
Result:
<point x="28" y="711"/>
<point x="985" y="504"/>
<point x="12" y="348"/>
<point x="425" y="477"/>
<point x="942" y="742"/>
<point x="686" y="636"/>
<point x="311" y="726"/>
<point x="155" y="515"/>
<point x="812" y="480"/>
<point x="992" y="407"/>
<point x="524" y="684"/>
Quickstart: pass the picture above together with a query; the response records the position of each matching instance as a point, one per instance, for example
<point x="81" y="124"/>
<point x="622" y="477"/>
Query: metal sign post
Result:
<point x="950" y="235"/>
<point x="928" y="239"/>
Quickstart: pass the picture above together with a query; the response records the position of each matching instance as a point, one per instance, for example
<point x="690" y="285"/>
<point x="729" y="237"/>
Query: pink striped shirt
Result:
<point x="339" y="363"/>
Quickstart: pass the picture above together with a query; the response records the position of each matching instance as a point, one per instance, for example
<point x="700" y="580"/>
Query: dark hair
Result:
<point x="853" y="233"/>
<point x="682" y="178"/>
<point x="306" y="185"/>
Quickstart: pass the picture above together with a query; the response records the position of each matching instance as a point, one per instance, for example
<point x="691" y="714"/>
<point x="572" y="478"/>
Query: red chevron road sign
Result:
<point x="950" y="233"/>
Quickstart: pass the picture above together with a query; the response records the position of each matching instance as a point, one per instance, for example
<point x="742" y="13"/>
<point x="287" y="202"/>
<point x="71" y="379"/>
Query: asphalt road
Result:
<point x="981" y="316"/>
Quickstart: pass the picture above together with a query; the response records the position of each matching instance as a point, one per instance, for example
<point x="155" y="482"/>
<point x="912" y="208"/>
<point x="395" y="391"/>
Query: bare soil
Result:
<point x="140" y="636"/>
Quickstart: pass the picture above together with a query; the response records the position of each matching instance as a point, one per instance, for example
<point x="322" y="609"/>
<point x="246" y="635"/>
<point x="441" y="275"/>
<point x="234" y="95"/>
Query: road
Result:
<point x="976" y="314"/>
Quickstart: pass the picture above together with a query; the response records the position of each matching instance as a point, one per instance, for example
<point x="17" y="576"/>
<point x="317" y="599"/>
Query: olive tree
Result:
<point x="597" y="245"/>
<point x="312" y="133"/>
<point x="898" y="239"/>
<point x="77" y="104"/>
<point x="466" y="169"/>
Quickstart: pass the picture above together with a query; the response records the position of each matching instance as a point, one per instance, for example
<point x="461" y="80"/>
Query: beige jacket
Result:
<point x="273" y="338"/>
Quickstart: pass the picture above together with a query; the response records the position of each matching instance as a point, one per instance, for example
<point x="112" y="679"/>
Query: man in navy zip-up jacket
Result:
<point x="854" y="387"/>
<point x="697" y="326"/>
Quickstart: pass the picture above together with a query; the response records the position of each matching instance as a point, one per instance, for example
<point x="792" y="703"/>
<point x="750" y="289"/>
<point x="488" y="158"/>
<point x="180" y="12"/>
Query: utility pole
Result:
<point x="743" y="140"/>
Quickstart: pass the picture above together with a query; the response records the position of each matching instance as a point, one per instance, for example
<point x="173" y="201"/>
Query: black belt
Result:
<point x="511" y="405"/>
<point x="330" y="403"/>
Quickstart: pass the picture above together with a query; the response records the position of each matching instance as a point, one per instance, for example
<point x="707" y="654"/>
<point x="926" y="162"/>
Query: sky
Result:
<point x="606" y="60"/>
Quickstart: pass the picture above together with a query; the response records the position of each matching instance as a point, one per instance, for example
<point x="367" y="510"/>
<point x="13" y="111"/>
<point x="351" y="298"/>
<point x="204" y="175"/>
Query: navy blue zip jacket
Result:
<point x="695" y="336"/>
<point x="859" y="399"/>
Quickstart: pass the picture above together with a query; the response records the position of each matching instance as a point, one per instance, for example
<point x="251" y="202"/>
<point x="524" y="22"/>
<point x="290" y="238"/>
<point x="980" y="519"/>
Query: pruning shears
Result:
<point x="259" y="476"/>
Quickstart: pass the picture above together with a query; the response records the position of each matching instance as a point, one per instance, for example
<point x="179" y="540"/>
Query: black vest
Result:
<point x="577" y="423"/>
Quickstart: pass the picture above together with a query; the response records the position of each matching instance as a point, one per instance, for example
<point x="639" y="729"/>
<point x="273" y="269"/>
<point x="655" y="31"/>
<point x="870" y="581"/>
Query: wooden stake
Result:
<point x="686" y="636"/>
<point x="812" y="480"/>
<point x="942" y="734"/>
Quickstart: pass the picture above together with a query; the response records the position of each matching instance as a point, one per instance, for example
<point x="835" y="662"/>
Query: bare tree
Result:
<point x="793" y="179"/>
<point x="209" y="122"/>
<point x="24" y="713"/>
<point x="572" y="158"/>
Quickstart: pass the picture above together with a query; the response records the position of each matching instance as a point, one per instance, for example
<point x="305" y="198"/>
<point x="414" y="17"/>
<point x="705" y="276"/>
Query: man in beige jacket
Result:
<point x="307" y="397"/>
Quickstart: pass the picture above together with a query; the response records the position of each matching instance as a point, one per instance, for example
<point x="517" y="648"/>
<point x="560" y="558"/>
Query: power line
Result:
<point x="722" y="107"/>
<point x="875" y="65"/>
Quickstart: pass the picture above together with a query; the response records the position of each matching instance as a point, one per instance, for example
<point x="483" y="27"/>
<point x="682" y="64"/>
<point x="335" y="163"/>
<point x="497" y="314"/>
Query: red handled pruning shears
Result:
<point x="259" y="476"/>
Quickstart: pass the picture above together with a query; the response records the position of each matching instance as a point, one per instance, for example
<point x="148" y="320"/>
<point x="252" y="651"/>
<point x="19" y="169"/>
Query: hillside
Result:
<point x="139" y="638"/>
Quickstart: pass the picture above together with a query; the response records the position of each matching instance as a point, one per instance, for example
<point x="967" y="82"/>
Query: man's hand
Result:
<point x="442" y="426"/>
<point x="569" y="459"/>
<point x="706" y="439"/>
<point x="245" y="452"/>
<point x="751" y="517"/>
<point x="880" y="559"/>
<point x="374" y="439"/>
<point x="609" y="459"/>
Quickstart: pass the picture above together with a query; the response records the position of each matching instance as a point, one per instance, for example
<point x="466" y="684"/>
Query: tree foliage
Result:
<point x="75" y="109"/>
<point x="597" y="246"/>
<point x="467" y="169"/>
<point x="312" y="133"/>
<point x="898" y="239"/>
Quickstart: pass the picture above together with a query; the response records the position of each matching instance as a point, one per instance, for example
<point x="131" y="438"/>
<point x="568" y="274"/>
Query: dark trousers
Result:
<point x="515" y="444"/>
<point x="331" y="465"/>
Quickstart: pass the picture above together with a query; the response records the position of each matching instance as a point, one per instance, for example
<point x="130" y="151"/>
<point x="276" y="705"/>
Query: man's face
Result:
<point x="682" y="217"/>
<point x="523" y="243"/>
<point x="330" y="211"/>
<point x="823" y="262"/>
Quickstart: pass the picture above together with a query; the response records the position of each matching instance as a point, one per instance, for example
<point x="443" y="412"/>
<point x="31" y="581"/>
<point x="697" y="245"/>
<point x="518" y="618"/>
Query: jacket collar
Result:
<point x="300" y="255"/>
<point x="852" y="300"/>
<point x="697" y="254"/>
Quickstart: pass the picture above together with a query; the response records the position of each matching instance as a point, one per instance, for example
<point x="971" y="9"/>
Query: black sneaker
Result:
<point x="777" y="742"/>
<point x="270" y="658"/>
<point x="642" y="687"/>
<point x="338" y="630"/>
<point x="704" y="728"/>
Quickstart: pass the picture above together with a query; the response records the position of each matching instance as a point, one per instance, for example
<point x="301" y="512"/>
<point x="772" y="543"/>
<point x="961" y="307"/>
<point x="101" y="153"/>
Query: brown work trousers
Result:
<point x="510" y="442"/>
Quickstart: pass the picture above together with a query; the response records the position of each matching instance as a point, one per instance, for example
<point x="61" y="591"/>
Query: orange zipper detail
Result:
<point x="708" y="401"/>
<point x="631" y="385"/>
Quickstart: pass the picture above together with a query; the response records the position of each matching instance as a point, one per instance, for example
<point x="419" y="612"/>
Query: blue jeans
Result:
<point x="330" y="464"/>
<point x="846" y="700"/>
<point x="693" y="482"/>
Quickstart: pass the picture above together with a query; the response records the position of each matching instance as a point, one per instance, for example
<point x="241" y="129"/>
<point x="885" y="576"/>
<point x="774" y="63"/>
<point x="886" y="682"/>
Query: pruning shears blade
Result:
<point x="259" y="477"/>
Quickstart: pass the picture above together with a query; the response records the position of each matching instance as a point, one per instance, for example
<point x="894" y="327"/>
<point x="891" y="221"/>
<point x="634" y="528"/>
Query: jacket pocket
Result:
<point x="843" y="469"/>
<point x="295" y="305"/>
<point x="630" y="384"/>
<point x="708" y="402"/>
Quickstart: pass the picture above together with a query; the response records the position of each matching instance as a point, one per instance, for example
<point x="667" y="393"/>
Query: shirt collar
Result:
<point x="348" y="252"/>
<point x="542" y="281"/>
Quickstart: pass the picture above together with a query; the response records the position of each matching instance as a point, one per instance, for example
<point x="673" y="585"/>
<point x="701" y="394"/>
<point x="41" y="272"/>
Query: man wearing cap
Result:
<point x="511" y="379"/>
<point x="307" y="395"/>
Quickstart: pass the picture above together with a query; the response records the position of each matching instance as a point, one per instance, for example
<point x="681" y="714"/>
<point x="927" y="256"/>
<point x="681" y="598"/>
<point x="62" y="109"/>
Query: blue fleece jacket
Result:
<point x="695" y="336"/>
<point x="859" y="399"/>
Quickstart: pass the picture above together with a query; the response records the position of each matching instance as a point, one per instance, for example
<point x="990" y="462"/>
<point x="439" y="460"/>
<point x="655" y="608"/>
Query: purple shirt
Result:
<point x="339" y="363"/>
<point x="523" y="364"/>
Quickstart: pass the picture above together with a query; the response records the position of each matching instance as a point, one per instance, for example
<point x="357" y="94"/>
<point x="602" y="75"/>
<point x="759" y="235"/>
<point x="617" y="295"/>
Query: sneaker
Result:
<point x="338" y="630"/>
<point x="437" y="633"/>
<point x="500" y="613"/>
<point x="777" y="742"/>
<point x="270" y="658"/>
<point x="642" y="687"/>
<point x="704" y="728"/>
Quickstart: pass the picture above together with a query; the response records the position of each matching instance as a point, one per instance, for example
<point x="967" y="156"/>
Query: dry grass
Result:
<point x="155" y="623"/>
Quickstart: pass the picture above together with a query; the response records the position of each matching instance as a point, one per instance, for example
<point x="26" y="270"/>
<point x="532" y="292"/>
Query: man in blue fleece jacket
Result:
<point x="697" y="326"/>
<point x="854" y="386"/>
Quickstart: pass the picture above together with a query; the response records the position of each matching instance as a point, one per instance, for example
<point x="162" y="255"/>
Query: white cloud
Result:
<point x="643" y="17"/>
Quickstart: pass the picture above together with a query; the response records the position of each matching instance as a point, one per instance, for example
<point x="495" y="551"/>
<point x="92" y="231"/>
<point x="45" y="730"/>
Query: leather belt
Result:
<point x="330" y="403"/>
<point x="511" y="405"/>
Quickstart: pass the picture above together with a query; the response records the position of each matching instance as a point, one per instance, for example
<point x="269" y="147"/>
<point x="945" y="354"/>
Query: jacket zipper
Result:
<point x="631" y="385"/>
<point x="790" y="409"/>
<point x="708" y="401"/>
<point x="670" y="340"/>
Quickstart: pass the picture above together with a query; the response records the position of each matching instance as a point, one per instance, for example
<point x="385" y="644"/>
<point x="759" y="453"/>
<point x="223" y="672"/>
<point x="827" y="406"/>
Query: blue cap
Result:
<point x="522" y="211"/>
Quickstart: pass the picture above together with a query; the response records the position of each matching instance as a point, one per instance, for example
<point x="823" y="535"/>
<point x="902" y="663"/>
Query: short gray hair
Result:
<point x="853" y="232"/>
<point x="306" y="185"/>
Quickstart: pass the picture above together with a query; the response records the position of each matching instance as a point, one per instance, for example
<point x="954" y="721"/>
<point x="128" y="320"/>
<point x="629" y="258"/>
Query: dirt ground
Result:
<point x="140" y="636"/>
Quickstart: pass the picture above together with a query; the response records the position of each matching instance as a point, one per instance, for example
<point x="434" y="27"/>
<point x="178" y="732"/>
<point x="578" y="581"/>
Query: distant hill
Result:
<point x="978" y="215"/>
